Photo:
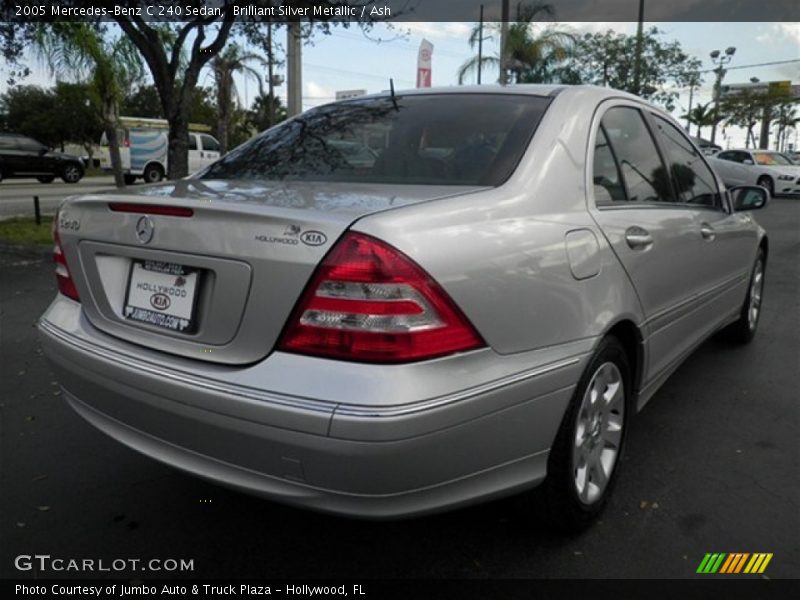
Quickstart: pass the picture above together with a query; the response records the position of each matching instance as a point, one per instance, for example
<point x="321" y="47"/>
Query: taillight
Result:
<point x="368" y="302"/>
<point x="65" y="284"/>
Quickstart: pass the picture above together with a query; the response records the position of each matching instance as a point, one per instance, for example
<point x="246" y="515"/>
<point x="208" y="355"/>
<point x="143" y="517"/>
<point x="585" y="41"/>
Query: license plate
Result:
<point x="162" y="294"/>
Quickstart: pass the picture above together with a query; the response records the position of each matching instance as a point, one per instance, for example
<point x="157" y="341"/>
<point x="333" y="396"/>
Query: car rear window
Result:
<point x="438" y="139"/>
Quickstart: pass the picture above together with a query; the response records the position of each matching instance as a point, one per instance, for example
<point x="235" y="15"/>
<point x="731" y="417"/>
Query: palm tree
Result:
<point x="224" y="65"/>
<point x="111" y="66"/>
<point x="528" y="53"/>
<point x="702" y="115"/>
<point x="786" y="121"/>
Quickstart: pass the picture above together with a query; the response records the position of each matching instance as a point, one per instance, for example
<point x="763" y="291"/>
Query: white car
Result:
<point x="769" y="169"/>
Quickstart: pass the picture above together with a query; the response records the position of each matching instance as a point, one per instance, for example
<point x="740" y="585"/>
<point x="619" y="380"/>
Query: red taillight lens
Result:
<point x="368" y="302"/>
<point x="65" y="284"/>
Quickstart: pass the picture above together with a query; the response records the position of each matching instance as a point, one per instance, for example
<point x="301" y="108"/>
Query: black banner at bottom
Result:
<point x="367" y="589"/>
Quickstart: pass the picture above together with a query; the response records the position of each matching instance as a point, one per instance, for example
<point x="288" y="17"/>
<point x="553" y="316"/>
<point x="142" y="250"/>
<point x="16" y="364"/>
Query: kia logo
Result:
<point x="144" y="229"/>
<point x="160" y="301"/>
<point x="313" y="238"/>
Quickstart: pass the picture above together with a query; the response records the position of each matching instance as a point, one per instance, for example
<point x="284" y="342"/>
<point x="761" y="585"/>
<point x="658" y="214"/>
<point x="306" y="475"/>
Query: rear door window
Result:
<point x="192" y="142"/>
<point x="606" y="177"/>
<point x="693" y="180"/>
<point x="644" y="174"/>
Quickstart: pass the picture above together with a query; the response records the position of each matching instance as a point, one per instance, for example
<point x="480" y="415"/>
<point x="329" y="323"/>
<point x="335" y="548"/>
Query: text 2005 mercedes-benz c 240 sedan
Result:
<point x="407" y="302"/>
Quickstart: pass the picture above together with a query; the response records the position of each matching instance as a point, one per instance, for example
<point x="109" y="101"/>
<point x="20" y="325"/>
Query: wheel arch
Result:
<point x="630" y="336"/>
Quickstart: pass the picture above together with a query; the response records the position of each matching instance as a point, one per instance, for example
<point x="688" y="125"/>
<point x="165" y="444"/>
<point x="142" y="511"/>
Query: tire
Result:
<point x="153" y="173"/>
<point x="743" y="330"/>
<point x="72" y="173"/>
<point x="585" y="456"/>
<point x="765" y="181"/>
<point x="46" y="178"/>
<point x="129" y="179"/>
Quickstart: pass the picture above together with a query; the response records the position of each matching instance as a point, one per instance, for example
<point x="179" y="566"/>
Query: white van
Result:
<point x="143" y="148"/>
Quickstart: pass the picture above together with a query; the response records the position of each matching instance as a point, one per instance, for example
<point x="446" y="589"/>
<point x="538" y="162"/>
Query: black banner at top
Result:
<point x="392" y="10"/>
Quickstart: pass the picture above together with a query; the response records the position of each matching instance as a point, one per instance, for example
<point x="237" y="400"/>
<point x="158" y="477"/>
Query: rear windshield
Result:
<point x="444" y="139"/>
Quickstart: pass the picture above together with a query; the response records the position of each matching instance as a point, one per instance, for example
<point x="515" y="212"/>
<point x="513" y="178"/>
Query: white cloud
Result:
<point x="437" y="30"/>
<point x="315" y="94"/>
<point x="601" y="26"/>
<point x="778" y="33"/>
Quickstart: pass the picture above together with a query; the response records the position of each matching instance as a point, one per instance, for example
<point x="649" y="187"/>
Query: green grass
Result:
<point x="26" y="231"/>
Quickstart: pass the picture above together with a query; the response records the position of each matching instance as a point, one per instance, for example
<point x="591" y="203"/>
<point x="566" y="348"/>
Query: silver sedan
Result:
<point x="478" y="305"/>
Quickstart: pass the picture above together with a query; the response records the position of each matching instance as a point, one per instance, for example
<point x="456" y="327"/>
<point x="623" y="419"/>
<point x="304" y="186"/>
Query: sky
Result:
<point x="350" y="59"/>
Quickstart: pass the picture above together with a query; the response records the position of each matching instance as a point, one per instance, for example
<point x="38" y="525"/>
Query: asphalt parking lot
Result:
<point x="712" y="465"/>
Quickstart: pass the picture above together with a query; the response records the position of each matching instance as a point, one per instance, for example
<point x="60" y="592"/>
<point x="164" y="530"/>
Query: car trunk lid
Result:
<point x="211" y="269"/>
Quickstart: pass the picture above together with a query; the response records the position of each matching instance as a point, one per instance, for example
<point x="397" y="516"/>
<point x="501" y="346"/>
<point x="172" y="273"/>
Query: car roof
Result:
<point x="532" y="89"/>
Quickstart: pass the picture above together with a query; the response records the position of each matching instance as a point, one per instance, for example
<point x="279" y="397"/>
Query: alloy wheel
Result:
<point x="756" y="291"/>
<point x="598" y="433"/>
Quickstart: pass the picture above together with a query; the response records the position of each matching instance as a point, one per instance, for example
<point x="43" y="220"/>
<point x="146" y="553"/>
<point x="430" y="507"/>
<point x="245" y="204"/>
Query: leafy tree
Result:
<point x="224" y="65"/>
<point x="260" y="117"/>
<point x="142" y="102"/>
<point x="52" y="116"/>
<point x="29" y="110"/>
<point x="743" y="110"/>
<point x="78" y="117"/>
<point x="530" y="55"/>
<point x="701" y="115"/>
<point x="84" y="51"/>
<point x="609" y="59"/>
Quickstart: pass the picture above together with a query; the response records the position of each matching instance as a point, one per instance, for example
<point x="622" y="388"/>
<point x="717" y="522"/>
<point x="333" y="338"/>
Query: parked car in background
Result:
<point x="772" y="170"/>
<point x="480" y="309"/>
<point x="706" y="147"/>
<point x="23" y="156"/>
<point x="143" y="149"/>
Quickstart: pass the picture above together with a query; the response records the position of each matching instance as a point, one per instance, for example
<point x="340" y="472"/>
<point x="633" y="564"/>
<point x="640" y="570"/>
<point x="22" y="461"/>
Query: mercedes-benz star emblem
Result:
<point x="144" y="229"/>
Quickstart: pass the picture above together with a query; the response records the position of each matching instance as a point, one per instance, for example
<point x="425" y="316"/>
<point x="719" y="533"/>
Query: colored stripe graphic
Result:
<point x="711" y="562"/>
<point x="758" y="563"/>
<point x="733" y="563"/>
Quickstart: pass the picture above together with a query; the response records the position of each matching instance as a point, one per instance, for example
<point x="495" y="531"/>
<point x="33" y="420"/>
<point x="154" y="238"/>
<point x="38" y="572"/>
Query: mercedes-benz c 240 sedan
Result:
<point x="407" y="302"/>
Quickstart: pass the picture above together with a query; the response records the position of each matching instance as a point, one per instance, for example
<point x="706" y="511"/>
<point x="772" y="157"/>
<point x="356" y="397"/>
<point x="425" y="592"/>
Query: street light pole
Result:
<point x="719" y="59"/>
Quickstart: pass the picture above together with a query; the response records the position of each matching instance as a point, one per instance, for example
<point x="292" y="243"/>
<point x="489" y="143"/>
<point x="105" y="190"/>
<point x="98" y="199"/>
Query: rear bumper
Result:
<point x="362" y="458"/>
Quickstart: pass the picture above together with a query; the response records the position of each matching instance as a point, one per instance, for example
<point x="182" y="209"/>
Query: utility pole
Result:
<point x="270" y="79"/>
<point x="503" y="79"/>
<point x="294" y="69"/>
<point x="637" y="68"/>
<point x="480" y="46"/>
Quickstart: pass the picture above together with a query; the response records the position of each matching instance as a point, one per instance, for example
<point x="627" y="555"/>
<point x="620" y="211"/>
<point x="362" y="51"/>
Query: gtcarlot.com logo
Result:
<point x="734" y="563"/>
<point x="45" y="562"/>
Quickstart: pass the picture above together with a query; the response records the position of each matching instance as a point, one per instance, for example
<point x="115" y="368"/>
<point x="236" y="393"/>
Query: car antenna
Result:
<point x="394" y="98"/>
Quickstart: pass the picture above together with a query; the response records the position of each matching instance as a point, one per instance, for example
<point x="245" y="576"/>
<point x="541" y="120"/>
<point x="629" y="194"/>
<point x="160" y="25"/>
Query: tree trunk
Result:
<point x="178" y="151"/>
<point x="110" y="124"/>
<point x="766" y="121"/>
<point x="224" y="107"/>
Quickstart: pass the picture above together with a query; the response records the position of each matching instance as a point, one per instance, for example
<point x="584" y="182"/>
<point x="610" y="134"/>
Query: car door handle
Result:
<point x="638" y="238"/>
<point x="708" y="233"/>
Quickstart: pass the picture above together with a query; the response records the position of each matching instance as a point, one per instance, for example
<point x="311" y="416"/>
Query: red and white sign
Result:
<point x="424" y="64"/>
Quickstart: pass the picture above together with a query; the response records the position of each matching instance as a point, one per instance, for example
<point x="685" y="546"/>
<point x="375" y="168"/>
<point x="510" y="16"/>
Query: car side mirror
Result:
<point x="747" y="161"/>
<point x="749" y="197"/>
